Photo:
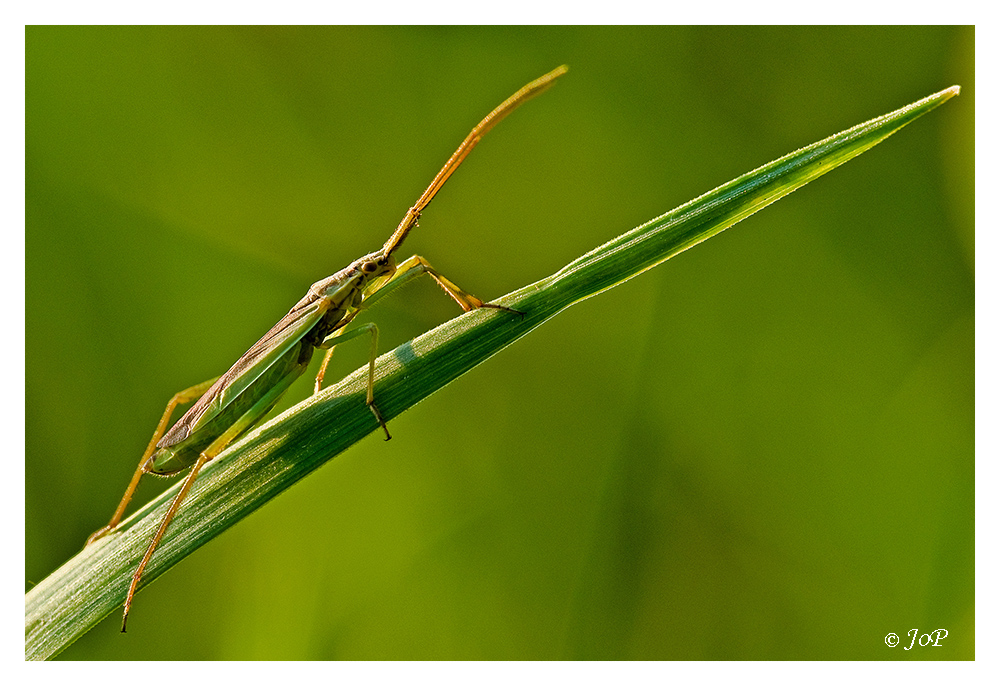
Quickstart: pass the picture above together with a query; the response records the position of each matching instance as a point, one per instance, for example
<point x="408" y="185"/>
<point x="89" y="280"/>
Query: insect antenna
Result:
<point x="529" y="91"/>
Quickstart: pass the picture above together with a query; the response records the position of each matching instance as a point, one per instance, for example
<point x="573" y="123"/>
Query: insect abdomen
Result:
<point x="170" y="459"/>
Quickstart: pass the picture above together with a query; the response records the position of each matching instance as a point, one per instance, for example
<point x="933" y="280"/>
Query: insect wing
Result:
<point x="254" y="362"/>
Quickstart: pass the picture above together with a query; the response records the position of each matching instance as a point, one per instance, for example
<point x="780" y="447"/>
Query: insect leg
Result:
<point x="185" y="487"/>
<point x="185" y="396"/>
<point x="338" y="337"/>
<point x="329" y="344"/>
<point x="259" y="409"/>
<point x="414" y="266"/>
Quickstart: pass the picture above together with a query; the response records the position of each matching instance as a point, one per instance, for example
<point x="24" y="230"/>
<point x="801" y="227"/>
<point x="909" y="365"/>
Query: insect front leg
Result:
<point x="186" y="396"/>
<point x="336" y="338"/>
<point x="415" y="266"/>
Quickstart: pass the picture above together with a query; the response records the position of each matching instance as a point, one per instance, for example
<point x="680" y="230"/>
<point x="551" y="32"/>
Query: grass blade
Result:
<point x="93" y="584"/>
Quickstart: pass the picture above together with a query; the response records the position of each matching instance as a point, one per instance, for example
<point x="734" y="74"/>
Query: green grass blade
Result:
<point x="270" y="459"/>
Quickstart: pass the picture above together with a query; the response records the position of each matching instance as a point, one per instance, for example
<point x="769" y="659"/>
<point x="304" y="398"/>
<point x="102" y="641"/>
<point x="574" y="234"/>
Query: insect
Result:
<point x="230" y="405"/>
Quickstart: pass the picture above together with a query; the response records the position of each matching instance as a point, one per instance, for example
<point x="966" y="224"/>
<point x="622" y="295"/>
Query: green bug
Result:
<point x="233" y="403"/>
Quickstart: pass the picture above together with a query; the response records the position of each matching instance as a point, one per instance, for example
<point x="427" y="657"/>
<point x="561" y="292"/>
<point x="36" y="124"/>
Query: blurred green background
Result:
<point x="761" y="449"/>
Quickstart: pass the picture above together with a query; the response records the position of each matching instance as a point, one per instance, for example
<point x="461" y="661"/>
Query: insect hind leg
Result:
<point x="247" y="420"/>
<point x="181" y="397"/>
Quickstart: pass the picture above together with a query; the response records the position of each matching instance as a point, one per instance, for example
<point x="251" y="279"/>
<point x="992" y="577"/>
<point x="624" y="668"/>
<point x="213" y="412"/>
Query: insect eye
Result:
<point x="368" y="267"/>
